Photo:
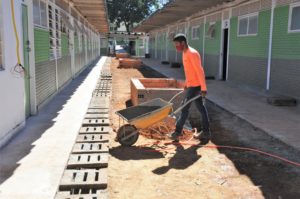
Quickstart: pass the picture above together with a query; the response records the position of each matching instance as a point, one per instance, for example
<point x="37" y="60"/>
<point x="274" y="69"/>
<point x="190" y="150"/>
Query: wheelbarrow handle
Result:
<point x="185" y="104"/>
<point x="176" y="96"/>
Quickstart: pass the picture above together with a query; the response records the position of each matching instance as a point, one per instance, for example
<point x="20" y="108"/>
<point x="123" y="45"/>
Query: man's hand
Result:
<point x="203" y="93"/>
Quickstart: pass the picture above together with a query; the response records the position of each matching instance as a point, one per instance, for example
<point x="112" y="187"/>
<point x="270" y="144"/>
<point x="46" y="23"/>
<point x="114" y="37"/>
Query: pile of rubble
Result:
<point x="161" y="130"/>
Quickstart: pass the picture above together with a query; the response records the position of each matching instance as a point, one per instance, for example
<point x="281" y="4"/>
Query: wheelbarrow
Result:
<point x="143" y="116"/>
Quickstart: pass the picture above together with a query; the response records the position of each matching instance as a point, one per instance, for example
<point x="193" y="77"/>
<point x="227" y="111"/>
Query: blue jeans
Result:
<point x="190" y="93"/>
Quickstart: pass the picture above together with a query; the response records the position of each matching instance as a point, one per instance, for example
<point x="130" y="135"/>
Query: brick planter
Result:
<point x="122" y="55"/>
<point x="130" y="63"/>
<point x="145" y="89"/>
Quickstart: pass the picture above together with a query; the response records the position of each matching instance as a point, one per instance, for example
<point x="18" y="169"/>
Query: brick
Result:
<point x="88" y="178"/>
<point x="90" y="148"/>
<point x="92" y="138"/>
<point x="92" y="160"/>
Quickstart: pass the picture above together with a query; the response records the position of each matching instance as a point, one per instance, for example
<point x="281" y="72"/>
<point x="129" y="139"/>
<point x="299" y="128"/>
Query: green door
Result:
<point x="26" y="51"/>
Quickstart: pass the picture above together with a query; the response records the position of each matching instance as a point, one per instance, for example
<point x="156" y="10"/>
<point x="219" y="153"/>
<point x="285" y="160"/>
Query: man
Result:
<point x="194" y="85"/>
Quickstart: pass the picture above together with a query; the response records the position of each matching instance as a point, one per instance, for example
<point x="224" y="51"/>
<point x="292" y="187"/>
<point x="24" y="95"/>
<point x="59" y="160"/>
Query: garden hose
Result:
<point x="18" y="68"/>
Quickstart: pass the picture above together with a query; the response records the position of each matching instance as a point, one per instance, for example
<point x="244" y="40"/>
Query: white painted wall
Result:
<point x="12" y="109"/>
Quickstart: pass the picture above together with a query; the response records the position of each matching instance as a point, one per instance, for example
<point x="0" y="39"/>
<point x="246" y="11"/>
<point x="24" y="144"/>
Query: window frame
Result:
<point x="248" y="16"/>
<point x="40" y="13"/>
<point x="193" y="29"/>
<point x="292" y="6"/>
<point x="56" y="51"/>
<point x="211" y="35"/>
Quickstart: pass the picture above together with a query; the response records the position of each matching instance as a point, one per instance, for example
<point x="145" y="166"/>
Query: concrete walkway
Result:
<point x="31" y="165"/>
<point x="282" y="123"/>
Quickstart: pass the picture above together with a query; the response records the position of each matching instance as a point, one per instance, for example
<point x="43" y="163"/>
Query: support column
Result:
<point x="270" y="46"/>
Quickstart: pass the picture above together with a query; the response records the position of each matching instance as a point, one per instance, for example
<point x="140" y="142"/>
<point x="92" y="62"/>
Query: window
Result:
<point x="40" y="13"/>
<point x="55" y="32"/>
<point x="211" y="31"/>
<point x="195" y="32"/>
<point x="248" y="25"/>
<point x="294" y="19"/>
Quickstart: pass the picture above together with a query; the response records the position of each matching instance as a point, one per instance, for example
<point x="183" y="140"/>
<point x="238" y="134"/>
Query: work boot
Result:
<point x="175" y="136"/>
<point x="202" y="135"/>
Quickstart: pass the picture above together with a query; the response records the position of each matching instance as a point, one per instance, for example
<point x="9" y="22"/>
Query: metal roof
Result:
<point x="174" y="11"/>
<point x="95" y="11"/>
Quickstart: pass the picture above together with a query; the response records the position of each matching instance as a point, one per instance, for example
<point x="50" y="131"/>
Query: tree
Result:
<point x="130" y="12"/>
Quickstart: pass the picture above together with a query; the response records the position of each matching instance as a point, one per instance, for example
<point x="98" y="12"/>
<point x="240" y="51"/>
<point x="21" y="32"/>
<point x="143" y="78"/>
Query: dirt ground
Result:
<point x="159" y="169"/>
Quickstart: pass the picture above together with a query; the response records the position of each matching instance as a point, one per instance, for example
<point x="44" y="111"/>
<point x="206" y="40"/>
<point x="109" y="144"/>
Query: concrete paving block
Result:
<point x="87" y="178"/>
<point x="90" y="148"/>
<point x="99" y="102"/>
<point x="100" y="94"/>
<point x="106" y="74"/>
<point x="99" y="194"/>
<point x="104" y="82"/>
<point x="92" y="160"/>
<point x="95" y="130"/>
<point x="95" y="122"/>
<point x="92" y="138"/>
<point x="105" y="79"/>
<point x="102" y="89"/>
<point x="104" y="86"/>
<point x="97" y="111"/>
<point x="96" y="116"/>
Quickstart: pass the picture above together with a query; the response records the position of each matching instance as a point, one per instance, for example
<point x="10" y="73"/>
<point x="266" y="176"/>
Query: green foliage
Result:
<point x="130" y="12"/>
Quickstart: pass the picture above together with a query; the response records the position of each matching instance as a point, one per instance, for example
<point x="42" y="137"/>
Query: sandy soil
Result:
<point x="159" y="169"/>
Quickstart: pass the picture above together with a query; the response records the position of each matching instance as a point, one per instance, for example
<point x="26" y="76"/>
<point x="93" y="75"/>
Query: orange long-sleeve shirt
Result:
<point x="194" y="72"/>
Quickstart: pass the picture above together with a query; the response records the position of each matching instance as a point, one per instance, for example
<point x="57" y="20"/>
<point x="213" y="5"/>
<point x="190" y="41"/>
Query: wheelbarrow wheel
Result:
<point x="127" y="135"/>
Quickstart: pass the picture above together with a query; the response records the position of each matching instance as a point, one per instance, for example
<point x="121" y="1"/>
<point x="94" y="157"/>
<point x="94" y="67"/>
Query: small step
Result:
<point x="282" y="101"/>
<point x="90" y="138"/>
<point x="95" y="130"/>
<point x="95" y="122"/>
<point x="90" y="148"/>
<point x="92" y="160"/>
<point x="87" y="178"/>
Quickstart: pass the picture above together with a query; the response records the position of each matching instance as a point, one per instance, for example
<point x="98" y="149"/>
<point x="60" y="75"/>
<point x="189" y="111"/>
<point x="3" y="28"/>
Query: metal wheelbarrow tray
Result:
<point x="140" y="117"/>
<point x="146" y="114"/>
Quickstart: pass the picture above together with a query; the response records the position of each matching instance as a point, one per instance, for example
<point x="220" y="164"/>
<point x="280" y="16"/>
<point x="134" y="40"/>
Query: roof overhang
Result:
<point x="174" y="11"/>
<point x="95" y="12"/>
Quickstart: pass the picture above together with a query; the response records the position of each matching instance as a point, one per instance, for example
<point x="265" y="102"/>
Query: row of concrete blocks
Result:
<point x="103" y="86"/>
<point x="85" y="176"/>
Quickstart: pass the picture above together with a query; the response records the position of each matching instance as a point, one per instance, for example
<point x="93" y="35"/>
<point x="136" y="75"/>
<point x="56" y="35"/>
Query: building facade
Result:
<point x="251" y="43"/>
<point x="56" y="43"/>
